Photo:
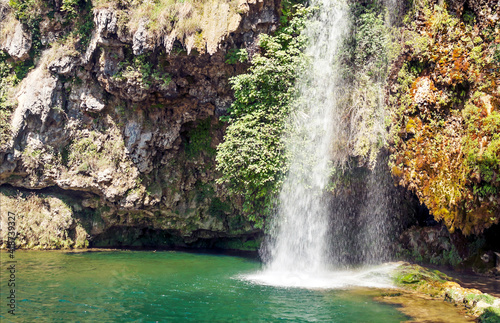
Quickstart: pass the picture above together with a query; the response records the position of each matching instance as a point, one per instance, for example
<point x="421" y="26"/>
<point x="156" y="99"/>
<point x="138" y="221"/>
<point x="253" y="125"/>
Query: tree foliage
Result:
<point x="252" y="159"/>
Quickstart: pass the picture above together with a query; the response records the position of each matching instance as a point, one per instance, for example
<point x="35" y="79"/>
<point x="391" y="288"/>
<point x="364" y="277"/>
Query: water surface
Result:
<point x="140" y="286"/>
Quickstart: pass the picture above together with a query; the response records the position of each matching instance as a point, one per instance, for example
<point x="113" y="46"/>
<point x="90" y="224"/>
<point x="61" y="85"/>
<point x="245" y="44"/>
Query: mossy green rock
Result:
<point x="438" y="285"/>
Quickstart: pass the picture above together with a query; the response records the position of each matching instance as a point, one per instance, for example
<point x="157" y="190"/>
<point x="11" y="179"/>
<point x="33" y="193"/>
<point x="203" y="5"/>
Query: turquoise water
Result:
<point x="140" y="286"/>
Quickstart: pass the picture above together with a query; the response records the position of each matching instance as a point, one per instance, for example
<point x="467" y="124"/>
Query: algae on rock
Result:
<point x="440" y="286"/>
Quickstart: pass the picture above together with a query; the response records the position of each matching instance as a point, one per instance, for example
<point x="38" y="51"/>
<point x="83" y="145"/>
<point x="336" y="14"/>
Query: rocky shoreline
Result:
<point x="433" y="284"/>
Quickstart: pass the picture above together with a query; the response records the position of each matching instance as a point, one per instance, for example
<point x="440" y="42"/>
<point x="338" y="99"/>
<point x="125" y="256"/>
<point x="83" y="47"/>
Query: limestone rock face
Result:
<point x="64" y="65"/>
<point x="38" y="94"/>
<point x="17" y="42"/>
<point x="106" y="22"/>
<point x="127" y="131"/>
<point x="142" y="41"/>
<point x="88" y="97"/>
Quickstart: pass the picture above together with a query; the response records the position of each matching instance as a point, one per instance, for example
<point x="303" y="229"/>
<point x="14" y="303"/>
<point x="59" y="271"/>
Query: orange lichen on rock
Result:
<point x="447" y="118"/>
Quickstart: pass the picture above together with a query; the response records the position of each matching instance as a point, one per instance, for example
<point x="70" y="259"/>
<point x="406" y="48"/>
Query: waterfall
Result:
<point x="301" y="224"/>
<point x="312" y="240"/>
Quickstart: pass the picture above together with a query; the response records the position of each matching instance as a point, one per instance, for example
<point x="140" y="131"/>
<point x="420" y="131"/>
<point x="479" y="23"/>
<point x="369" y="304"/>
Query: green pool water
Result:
<point x="140" y="286"/>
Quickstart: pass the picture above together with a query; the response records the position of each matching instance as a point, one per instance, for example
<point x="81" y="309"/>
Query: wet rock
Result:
<point x="440" y="286"/>
<point x="432" y="245"/>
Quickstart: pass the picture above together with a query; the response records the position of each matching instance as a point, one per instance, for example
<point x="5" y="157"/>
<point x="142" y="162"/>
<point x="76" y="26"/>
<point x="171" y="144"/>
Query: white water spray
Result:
<point x="298" y="255"/>
<point x="301" y="225"/>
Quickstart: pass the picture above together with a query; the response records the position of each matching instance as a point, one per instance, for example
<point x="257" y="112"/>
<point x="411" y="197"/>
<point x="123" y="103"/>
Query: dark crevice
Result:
<point x="56" y="190"/>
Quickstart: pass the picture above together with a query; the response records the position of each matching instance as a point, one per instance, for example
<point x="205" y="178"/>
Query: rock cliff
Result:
<point x="113" y="130"/>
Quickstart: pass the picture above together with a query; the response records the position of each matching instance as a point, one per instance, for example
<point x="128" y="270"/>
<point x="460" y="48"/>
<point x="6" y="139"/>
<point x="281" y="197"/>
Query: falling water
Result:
<point x="300" y="252"/>
<point x="301" y="225"/>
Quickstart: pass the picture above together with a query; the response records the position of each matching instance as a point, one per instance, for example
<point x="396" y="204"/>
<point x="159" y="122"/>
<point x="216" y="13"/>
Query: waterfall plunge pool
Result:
<point x="168" y="286"/>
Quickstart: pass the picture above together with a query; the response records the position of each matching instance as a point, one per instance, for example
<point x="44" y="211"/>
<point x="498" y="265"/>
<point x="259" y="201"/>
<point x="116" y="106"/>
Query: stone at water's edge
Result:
<point x="439" y="286"/>
<point x="423" y="308"/>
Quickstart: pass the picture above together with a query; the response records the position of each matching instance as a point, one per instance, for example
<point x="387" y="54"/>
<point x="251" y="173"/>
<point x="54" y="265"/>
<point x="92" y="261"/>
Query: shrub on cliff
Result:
<point x="252" y="157"/>
<point x="367" y="54"/>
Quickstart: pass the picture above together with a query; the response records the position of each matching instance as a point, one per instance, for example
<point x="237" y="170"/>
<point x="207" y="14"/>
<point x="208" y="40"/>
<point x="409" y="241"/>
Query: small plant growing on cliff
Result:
<point x="236" y="55"/>
<point x="140" y="69"/>
<point x="70" y="7"/>
<point x="199" y="140"/>
<point x="28" y="11"/>
<point x="6" y="108"/>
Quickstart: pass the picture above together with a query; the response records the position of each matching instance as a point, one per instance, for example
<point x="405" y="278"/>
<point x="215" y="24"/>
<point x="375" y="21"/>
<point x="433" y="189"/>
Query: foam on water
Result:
<point x="374" y="277"/>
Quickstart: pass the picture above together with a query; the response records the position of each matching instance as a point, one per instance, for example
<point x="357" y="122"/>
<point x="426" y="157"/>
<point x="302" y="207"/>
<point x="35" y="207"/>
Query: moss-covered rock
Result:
<point x="41" y="221"/>
<point x="438" y="285"/>
<point x="446" y="108"/>
<point x="490" y="315"/>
